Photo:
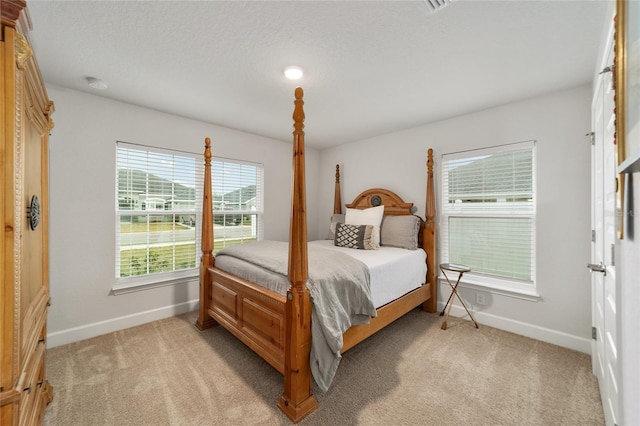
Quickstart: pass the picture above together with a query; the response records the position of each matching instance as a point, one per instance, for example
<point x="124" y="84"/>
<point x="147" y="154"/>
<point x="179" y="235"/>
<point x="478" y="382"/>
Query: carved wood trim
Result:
<point x="48" y="110"/>
<point x="393" y="204"/>
<point x="19" y="209"/>
<point x="23" y="51"/>
<point x="429" y="236"/>
<point x="297" y="400"/>
<point x="337" y="199"/>
<point x="10" y="11"/>
<point x="206" y="260"/>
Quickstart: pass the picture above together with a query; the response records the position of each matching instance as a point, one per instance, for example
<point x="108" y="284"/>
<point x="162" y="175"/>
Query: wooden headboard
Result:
<point x="393" y="204"/>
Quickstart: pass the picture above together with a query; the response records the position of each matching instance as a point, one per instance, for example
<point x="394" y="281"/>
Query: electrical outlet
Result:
<point x="480" y="299"/>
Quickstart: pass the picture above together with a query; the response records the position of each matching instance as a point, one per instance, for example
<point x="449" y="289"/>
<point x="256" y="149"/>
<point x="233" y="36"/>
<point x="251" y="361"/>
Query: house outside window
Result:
<point x="159" y="212"/>
<point x="488" y="220"/>
<point x="237" y="202"/>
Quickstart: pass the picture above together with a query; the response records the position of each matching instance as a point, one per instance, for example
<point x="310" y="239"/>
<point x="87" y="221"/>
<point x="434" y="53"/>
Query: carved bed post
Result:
<point x="429" y="238"/>
<point x="337" y="199"/>
<point x="298" y="401"/>
<point x="204" y="320"/>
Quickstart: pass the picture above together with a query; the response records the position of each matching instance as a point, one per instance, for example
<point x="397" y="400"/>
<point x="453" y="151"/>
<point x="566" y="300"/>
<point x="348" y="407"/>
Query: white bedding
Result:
<point x="393" y="271"/>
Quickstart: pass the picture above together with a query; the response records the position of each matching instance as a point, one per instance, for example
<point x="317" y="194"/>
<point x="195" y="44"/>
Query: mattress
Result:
<point x="393" y="271"/>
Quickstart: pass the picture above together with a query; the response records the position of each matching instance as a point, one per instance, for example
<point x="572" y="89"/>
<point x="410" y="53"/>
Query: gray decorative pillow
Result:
<point x="400" y="231"/>
<point x="335" y="219"/>
<point x="354" y="236"/>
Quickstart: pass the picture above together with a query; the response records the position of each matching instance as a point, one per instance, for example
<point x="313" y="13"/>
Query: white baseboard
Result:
<point x="76" y="334"/>
<point x="548" y="335"/>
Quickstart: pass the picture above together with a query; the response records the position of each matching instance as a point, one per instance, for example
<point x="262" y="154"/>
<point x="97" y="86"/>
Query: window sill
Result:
<point x="130" y="285"/>
<point x="493" y="286"/>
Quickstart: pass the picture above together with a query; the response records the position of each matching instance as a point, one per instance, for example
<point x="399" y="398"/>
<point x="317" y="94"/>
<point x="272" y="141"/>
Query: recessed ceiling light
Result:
<point x="96" y="83"/>
<point x="293" y="73"/>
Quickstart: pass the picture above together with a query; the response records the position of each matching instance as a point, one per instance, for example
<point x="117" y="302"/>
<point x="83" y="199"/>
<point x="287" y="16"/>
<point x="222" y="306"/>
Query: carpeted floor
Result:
<point x="411" y="373"/>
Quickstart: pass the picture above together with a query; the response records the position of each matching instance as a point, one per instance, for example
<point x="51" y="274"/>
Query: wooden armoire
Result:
<point x="24" y="206"/>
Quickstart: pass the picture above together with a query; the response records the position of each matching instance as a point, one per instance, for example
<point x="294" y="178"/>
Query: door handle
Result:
<point x="597" y="268"/>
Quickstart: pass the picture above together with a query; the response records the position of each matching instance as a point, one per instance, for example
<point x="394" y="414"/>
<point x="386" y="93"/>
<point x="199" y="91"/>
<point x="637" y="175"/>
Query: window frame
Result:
<point x="525" y="289"/>
<point x="133" y="283"/>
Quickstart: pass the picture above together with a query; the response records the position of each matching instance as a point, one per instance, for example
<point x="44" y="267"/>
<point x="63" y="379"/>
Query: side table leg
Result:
<point x="446" y="304"/>
<point x="467" y="309"/>
<point x="444" y="323"/>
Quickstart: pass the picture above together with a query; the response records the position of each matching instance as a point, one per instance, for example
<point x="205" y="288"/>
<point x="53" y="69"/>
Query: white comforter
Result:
<point x="393" y="271"/>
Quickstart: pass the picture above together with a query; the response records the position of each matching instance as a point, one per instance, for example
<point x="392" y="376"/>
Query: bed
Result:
<point x="275" y="320"/>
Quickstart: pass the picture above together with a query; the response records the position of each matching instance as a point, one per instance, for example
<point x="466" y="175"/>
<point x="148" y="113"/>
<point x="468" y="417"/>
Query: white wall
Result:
<point x="558" y="122"/>
<point x="82" y="180"/>
<point x="82" y="185"/>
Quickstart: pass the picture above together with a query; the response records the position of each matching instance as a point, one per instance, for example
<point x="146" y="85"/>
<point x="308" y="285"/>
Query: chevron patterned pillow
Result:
<point x="354" y="236"/>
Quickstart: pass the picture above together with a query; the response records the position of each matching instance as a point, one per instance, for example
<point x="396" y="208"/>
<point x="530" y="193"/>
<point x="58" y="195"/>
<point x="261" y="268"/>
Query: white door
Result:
<point x="603" y="204"/>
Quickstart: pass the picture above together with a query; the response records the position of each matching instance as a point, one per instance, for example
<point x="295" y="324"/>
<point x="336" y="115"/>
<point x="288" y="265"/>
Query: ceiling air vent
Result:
<point x="436" y="5"/>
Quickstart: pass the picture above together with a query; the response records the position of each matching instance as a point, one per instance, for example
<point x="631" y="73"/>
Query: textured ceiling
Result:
<point x="370" y="67"/>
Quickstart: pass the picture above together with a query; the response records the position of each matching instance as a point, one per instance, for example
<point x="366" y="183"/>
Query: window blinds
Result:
<point x="159" y="198"/>
<point x="488" y="204"/>
<point x="237" y="202"/>
<point x="159" y="204"/>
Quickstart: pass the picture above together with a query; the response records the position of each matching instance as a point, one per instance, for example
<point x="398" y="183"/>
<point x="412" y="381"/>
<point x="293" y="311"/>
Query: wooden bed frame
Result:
<point x="277" y="327"/>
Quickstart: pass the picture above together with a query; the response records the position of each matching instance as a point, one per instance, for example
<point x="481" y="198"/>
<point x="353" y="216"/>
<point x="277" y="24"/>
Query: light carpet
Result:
<point x="411" y="373"/>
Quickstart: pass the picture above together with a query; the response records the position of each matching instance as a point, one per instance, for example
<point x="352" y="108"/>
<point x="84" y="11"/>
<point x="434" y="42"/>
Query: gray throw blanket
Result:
<point x="339" y="288"/>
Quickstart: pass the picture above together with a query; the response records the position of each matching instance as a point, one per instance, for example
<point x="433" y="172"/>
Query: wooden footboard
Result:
<point x="256" y="316"/>
<point x="252" y="313"/>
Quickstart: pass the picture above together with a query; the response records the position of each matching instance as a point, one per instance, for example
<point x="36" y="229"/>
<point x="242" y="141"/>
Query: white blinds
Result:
<point x="236" y="186"/>
<point x="159" y="206"/>
<point x="488" y="204"/>
<point x="237" y="202"/>
<point x="159" y="197"/>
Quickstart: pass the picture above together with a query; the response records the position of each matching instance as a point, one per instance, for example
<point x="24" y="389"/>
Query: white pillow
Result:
<point x="371" y="216"/>
<point x="335" y="219"/>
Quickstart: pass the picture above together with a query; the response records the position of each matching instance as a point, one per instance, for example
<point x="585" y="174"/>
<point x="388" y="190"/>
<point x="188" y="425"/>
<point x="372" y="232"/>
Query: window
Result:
<point x="158" y="212"/>
<point x="488" y="206"/>
<point x="237" y="202"/>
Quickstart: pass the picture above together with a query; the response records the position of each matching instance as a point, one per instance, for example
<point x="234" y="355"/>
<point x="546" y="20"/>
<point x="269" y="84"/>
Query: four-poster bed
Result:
<point x="278" y="325"/>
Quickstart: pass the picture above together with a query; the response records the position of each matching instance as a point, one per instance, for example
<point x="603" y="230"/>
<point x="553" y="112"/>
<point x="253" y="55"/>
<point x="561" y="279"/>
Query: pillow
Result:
<point x="400" y="231"/>
<point x="371" y="216"/>
<point x="354" y="236"/>
<point x="336" y="218"/>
